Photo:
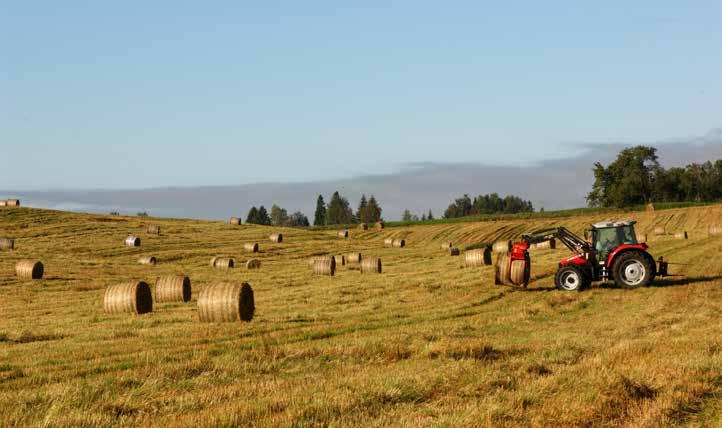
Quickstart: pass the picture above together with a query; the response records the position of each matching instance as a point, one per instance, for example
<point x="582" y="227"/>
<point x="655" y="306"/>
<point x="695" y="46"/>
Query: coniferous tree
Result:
<point x="406" y="216"/>
<point x="262" y="217"/>
<point x="339" y="211"/>
<point x="361" y="213"/>
<point x="279" y="216"/>
<point x="320" y="215"/>
<point x="430" y="216"/>
<point x="252" y="216"/>
<point x="373" y="210"/>
<point x="297" y="219"/>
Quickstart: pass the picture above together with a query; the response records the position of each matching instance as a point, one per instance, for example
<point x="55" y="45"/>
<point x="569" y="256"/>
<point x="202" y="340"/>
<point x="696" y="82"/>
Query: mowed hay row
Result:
<point x="29" y="269"/>
<point x="340" y="260"/>
<point x="712" y="231"/>
<point x="276" y="237"/>
<point x="546" y="245"/>
<point x="226" y="302"/>
<point x="147" y="260"/>
<point x="236" y="221"/>
<point x="399" y="243"/>
<point x="133" y="297"/>
<point x="251" y="247"/>
<point x="353" y="258"/>
<point x="680" y="235"/>
<point x="153" y="229"/>
<point x="7" y="243"/>
<point x="447" y="245"/>
<point x="132" y="241"/>
<point x="173" y="288"/>
<point x="389" y="242"/>
<point x="253" y="264"/>
<point x="501" y="246"/>
<point x="660" y="230"/>
<point x="324" y="266"/>
<point x="343" y="233"/>
<point x="478" y="257"/>
<point x="453" y="251"/>
<point x="222" y="262"/>
<point x="512" y="272"/>
<point x="371" y="265"/>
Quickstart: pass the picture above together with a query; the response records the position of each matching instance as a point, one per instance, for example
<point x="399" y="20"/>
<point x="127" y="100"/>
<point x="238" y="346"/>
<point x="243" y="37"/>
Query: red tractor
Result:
<point x="609" y="250"/>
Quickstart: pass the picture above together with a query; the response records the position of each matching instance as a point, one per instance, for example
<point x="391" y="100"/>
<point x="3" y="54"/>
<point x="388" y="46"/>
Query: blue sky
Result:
<point x="199" y="93"/>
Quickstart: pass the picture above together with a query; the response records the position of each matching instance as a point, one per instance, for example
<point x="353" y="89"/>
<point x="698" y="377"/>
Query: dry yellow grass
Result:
<point x="427" y="342"/>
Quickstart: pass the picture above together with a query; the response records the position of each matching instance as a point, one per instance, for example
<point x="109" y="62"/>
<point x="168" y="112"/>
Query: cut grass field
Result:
<point x="427" y="342"/>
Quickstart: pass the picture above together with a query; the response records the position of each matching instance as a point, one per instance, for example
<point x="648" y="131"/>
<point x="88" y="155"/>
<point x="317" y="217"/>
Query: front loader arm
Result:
<point x="575" y="244"/>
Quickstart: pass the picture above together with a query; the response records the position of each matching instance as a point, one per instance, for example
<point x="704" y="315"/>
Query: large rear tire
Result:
<point x="632" y="269"/>
<point x="570" y="278"/>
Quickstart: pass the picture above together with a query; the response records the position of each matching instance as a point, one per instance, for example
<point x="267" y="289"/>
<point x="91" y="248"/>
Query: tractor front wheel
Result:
<point x="570" y="278"/>
<point x="632" y="270"/>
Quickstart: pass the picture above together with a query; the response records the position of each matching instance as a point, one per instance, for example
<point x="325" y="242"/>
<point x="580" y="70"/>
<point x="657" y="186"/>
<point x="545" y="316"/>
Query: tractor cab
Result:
<point x="605" y="237"/>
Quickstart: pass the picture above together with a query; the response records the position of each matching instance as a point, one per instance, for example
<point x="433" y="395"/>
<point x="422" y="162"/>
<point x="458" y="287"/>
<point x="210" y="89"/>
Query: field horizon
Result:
<point x="428" y="342"/>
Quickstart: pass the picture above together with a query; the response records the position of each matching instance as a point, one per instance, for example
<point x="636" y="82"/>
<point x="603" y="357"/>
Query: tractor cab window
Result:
<point x="627" y="235"/>
<point x="606" y="240"/>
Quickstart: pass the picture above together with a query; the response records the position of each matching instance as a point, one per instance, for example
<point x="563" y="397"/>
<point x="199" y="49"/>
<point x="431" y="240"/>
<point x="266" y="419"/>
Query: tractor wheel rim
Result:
<point x="633" y="272"/>
<point x="570" y="281"/>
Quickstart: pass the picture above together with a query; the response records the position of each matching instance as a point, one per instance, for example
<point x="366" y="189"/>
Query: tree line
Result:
<point x="635" y="177"/>
<point x="487" y="204"/>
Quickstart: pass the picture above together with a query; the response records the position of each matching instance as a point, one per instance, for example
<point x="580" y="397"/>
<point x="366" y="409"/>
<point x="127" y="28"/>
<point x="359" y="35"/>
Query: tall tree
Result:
<point x="319" y="218"/>
<point x="373" y="210"/>
<point x="297" y="219"/>
<point x="339" y="211"/>
<point x="252" y="216"/>
<point x="263" y="217"/>
<point x="406" y="216"/>
<point x="279" y="216"/>
<point x="627" y="181"/>
<point x="361" y="213"/>
<point x="430" y="216"/>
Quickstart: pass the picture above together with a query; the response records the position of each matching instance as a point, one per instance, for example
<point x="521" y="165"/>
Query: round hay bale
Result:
<point x="501" y="246"/>
<point x="650" y="206"/>
<point x="276" y="237"/>
<point x="173" y="288"/>
<point x="343" y="233"/>
<point x="236" y="221"/>
<point x="324" y="266"/>
<point x="353" y="258"/>
<point x="453" y="251"/>
<point x="153" y="229"/>
<point x="659" y="230"/>
<point x="147" y="260"/>
<point x="7" y="244"/>
<point x="680" y="235"/>
<point x="389" y="242"/>
<point x="222" y="262"/>
<point x="477" y="257"/>
<point x="226" y="302"/>
<point x="129" y="297"/>
<point x="379" y="226"/>
<point x="12" y="203"/>
<point x="251" y="247"/>
<point x="3" y="203"/>
<point x="512" y="272"/>
<point x="313" y="259"/>
<point x="399" y="243"/>
<point x="363" y="226"/>
<point x="253" y="264"/>
<point x="132" y="241"/>
<point x="29" y="269"/>
<point x="546" y="245"/>
<point x="340" y="260"/>
<point x="641" y="238"/>
<point x="714" y="230"/>
<point x="447" y="245"/>
<point x="371" y="265"/>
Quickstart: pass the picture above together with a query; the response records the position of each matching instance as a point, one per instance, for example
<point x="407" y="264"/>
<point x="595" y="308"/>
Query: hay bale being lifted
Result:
<point x="324" y="266"/>
<point x="236" y="221"/>
<point x="7" y="243"/>
<point x="477" y="257"/>
<point x="147" y="260"/>
<point x="545" y="245"/>
<point x="389" y="242"/>
<point x="714" y="230"/>
<point x="222" y="262"/>
<point x="226" y="302"/>
<point x="501" y="246"/>
<point x="363" y="226"/>
<point x="132" y="241"/>
<point x="453" y="251"/>
<point x="680" y="235"/>
<point x="29" y="269"/>
<point x="173" y="288"/>
<point x="340" y="260"/>
<point x="251" y="247"/>
<point x="153" y="229"/>
<point x="371" y="265"/>
<point x="253" y="264"/>
<point x="343" y="233"/>
<point x="399" y="243"/>
<point x="512" y="272"/>
<point x="276" y="237"/>
<point x="132" y="297"/>
<point x="447" y="245"/>
<point x="659" y="231"/>
<point x="353" y="258"/>
<point x="379" y="226"/>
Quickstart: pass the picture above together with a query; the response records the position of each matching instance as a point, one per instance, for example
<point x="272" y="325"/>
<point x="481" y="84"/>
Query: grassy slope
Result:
<point x="427" y="342"/>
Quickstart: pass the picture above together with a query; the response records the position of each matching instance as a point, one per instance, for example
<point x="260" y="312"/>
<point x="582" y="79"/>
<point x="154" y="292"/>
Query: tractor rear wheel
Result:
<point x="570" y="278"/>
<point x="632" y="269"/>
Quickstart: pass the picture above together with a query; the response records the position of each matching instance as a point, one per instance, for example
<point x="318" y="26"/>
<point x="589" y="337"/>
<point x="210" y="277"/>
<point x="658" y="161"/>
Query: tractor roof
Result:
<point x="608" y="224"/>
